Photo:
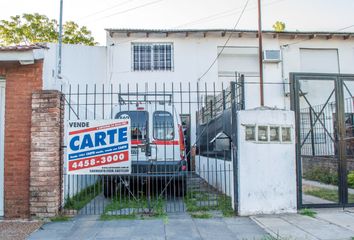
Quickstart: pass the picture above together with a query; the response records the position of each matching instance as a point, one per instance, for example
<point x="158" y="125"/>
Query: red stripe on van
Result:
<point x="165" y="142"/>
<point x="136" y="142"/>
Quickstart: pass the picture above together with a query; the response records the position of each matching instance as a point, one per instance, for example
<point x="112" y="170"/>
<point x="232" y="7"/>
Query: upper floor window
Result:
<point x="152" y="56"/>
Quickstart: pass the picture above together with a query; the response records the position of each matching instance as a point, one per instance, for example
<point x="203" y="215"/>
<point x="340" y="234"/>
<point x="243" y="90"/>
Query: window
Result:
<point x="138" y="123"/>
<point x="250" y="133"/>
<point x="274" y="134"/>
<point x="263" y="133"/>
<point x="163" y="125"/>
<point x="286" y="134"/>
<point x="152" y="57"/>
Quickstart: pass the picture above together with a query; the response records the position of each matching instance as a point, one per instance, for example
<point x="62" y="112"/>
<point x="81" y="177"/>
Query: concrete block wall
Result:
<point x="46" y="157"/>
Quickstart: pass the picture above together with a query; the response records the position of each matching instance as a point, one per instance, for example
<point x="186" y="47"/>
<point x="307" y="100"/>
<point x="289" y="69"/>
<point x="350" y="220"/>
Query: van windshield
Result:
<point x="163" y="125"/>
<point x="138" y="121"/>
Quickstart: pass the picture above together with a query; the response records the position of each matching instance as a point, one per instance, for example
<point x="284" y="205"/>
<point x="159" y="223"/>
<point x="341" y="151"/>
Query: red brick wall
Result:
<point x="21" y="81"/>
<point x="46" y="139"/>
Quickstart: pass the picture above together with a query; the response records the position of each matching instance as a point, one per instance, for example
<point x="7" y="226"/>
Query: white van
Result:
<point x="157" y="139"/>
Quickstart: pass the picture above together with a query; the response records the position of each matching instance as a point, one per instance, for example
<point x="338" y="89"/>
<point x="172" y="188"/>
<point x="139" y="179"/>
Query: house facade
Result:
<point x="153" y="60"/>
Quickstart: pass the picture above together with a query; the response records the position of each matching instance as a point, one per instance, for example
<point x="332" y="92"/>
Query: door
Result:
<point x="324" y="111"/>
<point x="2" y="128"/>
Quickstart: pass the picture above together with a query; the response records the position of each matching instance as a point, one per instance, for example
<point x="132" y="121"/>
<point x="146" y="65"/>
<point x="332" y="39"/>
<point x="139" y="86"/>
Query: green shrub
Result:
<point x="351" y="179"/>
<point x="323" y="175"/>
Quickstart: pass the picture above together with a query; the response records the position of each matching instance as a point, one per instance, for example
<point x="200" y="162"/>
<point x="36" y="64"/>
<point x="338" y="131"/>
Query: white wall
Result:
<point x="216" y="172"/>
<point x="80" y="65"/>
<point x="266" y="171"/>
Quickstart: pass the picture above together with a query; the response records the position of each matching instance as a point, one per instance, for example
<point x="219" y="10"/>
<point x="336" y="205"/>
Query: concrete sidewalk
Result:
<point x="328" y="224"/>
<point x="175" y="227"/>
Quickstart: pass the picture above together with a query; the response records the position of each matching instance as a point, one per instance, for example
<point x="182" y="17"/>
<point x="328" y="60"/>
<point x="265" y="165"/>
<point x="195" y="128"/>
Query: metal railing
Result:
<point x="162" y="180"/>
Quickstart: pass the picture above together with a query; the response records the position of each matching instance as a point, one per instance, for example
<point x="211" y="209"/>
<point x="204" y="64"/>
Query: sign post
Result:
<point x="99" y="147"/>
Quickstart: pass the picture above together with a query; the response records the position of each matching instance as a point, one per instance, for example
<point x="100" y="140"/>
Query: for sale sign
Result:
<point x="99" y="147"/>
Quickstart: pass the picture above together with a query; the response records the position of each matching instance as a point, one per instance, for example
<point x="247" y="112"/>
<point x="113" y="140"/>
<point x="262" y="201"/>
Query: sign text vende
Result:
<point x="99" y="147"/>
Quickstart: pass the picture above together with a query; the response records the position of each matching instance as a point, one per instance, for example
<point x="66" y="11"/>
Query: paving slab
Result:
<point x="213" y="229"/>
<point x="327" y="225"/>
<point x="319" y="228"/>
<point x="341" y="218"/>
<point x="278" y="227"/>
<point x="181" y="229"/>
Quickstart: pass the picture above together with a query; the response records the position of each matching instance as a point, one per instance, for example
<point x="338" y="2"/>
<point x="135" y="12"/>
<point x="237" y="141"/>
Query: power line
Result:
<point x="305" y="40"/>
<point x="228" y="39"/>
<point x="341" y="29"/>
<point x="224" y="14"/>
<point x="130" y="9"/>
<point x="107" y="9"/>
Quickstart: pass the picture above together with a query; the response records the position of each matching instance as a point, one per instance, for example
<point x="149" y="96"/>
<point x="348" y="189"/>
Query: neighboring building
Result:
<point x="137" y="56"/>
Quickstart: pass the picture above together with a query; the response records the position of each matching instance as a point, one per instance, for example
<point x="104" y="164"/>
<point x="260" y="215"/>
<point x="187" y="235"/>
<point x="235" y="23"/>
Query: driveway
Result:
<point x="179" y="226"/>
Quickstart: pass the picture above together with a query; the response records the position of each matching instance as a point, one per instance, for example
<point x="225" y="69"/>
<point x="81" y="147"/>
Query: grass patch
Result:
<point x="83" y="197"/>
<point x="328" y="194"/>
<point x="223" y="203"/>
<point x="60" y="219"/>
<point x="204" y="215"/>
<point x="118" y="204"/>
<point x="308" y="212"/>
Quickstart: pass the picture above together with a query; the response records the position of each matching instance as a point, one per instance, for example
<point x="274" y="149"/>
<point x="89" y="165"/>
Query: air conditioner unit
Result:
<point x="271" y="56"/>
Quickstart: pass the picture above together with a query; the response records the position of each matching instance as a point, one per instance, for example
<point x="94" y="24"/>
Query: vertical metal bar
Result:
<point x="86" y="94"/>
<point x="60" y="39"/>
<point x="295" y="106"/>
<point x="243" y="95"/>
<point x="164" y="133"/>
<point x="340" y="116"/>
<point x="234" y="142"/>
<point x="199" y="133"/>
<point x="312" y="134"/>
<point x="207" y="136"/>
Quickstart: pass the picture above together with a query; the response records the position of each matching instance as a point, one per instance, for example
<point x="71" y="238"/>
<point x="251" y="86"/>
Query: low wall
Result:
<point x="329" y="163"/>
<point x="217" y="172"/>
<point x="266" y="168"/>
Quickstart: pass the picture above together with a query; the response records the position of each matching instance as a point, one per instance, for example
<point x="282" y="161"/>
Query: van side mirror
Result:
<point x="221" y="142"/>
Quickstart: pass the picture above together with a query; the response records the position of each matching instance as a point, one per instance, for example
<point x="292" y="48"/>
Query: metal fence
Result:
<point x="181" y="150"/>
<point x="323" y="105"/>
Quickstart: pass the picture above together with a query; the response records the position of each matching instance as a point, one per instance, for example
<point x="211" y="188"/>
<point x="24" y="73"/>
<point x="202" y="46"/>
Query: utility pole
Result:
<point x="260" y="53"/>
<point x="60" y="40"/>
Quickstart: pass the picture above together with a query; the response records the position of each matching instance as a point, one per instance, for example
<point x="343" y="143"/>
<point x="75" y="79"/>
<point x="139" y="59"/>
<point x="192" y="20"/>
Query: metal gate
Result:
<point x="324" y="109"/>
<point x="182" y="149"/>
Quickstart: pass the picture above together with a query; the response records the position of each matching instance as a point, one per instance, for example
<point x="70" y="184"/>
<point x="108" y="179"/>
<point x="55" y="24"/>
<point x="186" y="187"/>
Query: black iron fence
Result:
<point x="180" y="148"/>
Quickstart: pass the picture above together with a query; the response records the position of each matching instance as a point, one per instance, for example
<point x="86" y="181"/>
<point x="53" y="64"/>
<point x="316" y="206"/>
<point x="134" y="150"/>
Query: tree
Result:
<point x="279" y="26"/>
<point x="37" y="28"/>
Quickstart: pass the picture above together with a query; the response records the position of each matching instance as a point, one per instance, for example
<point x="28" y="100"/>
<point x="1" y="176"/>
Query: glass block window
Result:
<point x="152" y="56"/>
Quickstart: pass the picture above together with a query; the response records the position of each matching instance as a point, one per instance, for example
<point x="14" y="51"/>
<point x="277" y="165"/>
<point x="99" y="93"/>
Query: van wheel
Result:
<point x="109" y="187"/>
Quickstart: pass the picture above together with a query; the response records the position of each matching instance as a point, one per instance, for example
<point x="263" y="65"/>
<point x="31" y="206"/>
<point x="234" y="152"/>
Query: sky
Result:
<point x="302" y="15"/>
